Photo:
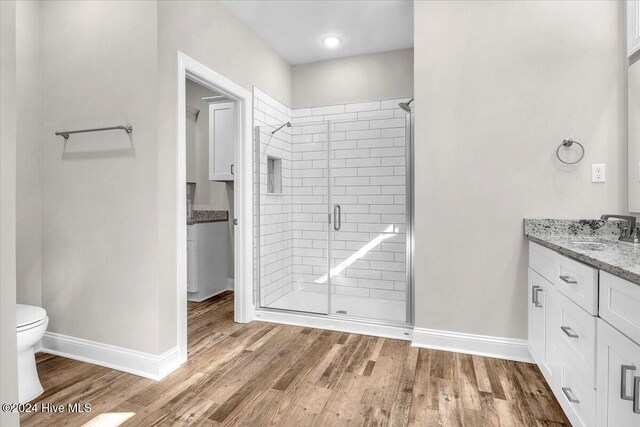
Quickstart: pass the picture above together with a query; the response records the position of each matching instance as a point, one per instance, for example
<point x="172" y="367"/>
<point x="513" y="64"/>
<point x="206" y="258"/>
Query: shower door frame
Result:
<point x="355" y="324"/>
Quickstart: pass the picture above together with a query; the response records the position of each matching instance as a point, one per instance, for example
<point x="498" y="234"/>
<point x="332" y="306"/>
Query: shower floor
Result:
<point x="366" y="308"/>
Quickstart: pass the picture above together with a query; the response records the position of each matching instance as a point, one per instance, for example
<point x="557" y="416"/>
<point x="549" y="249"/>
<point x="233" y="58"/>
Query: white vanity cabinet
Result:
<point x="584" y="334"/>
<point x="207" y="252"/>
<point x="222" y="141"/>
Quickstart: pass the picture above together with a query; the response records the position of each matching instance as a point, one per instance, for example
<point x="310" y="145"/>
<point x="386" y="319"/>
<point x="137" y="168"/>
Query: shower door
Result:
<point x="367" y="196"/>
<point x="332" y="239"/>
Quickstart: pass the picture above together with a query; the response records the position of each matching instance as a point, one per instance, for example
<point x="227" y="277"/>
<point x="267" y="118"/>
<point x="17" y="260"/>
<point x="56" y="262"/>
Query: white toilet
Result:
<point x="31" y="322"/>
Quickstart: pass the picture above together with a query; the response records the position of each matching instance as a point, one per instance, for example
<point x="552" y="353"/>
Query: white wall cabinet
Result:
<point x="207" y="252"/>
<point x="592" y="367"/>
<point x="222" y="141"/>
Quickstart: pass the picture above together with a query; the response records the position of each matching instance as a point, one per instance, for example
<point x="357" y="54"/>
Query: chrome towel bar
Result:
<point x="65" y="133"/>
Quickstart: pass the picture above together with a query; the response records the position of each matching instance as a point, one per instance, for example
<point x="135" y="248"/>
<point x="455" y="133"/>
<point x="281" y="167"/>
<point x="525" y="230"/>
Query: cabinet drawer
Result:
<point x="543" y="261"/>
<point x="620" y="304"/>
<point x="191" y="233"/>
<point x="576" y="338"/>
<point x="578" y="282"/>
<point x="576" y="396"/>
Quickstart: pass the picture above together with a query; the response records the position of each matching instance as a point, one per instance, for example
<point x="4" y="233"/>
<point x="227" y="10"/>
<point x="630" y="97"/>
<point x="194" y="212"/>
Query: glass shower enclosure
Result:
<point x="331" y="215"/>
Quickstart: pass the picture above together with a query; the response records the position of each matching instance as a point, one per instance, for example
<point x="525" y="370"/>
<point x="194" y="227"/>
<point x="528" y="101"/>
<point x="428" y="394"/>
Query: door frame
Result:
<point x="189" y="68"/>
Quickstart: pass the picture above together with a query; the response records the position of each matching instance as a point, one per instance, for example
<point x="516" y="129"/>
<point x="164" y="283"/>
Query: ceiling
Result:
<point x="295" y="28"/>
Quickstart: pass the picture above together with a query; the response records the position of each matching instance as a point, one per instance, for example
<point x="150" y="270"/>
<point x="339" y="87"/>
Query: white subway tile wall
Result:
<point x="352" y="155"/>
<point x="275" y="221"/>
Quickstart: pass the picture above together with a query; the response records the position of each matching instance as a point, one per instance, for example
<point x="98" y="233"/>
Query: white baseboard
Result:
<point x="134" y="362"/>
<point x="481" y="345"/>
<point x="401" y="332"/>
<point x="201" y="298"/>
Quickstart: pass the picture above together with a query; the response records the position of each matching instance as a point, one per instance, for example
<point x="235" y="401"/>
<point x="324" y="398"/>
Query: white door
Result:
<point x="618" y="371"/>
<point x="222" y="141"/>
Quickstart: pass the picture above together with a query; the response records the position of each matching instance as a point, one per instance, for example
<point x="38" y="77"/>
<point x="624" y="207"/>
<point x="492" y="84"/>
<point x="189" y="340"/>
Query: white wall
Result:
<point x="29" y="153"/>
<point x="100" y="213"/>
<point x="8" y="360"/>
<point x="371" y="77"/>
<point x="212" y="35"/>
<point x="499" y="85"/>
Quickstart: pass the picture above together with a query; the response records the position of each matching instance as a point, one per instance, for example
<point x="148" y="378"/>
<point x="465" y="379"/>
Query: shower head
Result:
<point x="288" y="124"/>
<point x="405" y="105"/>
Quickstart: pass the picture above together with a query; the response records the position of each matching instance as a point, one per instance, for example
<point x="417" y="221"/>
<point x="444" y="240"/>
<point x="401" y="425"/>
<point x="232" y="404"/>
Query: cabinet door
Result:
<point x="192" y="283"/>
<point x="542" y="323"/>
<point x="222" y="141"/>
<point x="618" y="370"/>
<point x="537" y="329"/>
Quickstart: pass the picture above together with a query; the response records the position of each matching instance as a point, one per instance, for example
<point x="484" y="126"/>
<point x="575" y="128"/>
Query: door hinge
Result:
<point x="235" y="221"/>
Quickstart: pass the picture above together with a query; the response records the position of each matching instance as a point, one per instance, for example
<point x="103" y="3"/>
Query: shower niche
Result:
<point x="274" y="175"/>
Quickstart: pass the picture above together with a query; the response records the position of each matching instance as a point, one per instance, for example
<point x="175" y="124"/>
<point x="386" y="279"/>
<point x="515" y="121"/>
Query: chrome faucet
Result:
<point x="630" y="233"/>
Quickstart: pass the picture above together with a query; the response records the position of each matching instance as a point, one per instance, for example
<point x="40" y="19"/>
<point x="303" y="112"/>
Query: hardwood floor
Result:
<point x="263" y="373"/>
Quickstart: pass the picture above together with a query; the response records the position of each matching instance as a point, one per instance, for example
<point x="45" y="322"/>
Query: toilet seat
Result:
<point x="29" y="316"/>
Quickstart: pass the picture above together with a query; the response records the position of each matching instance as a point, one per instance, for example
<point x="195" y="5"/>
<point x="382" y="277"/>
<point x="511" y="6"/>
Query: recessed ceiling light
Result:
<point x="331" y="41"/>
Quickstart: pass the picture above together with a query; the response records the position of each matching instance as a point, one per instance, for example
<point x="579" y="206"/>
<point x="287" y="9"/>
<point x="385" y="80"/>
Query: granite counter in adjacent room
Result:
<point x="593" y="242"/>
<point x="199" y="217"/>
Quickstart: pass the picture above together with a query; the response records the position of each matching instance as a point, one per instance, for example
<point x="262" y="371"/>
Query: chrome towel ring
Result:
<point x="568" y="143"/>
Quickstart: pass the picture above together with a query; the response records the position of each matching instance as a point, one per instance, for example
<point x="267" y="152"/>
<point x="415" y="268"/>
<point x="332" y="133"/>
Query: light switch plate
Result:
<point x="597" y="173"/>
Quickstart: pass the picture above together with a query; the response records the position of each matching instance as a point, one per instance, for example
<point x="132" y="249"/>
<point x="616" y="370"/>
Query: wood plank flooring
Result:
<point x="266" y="374"/>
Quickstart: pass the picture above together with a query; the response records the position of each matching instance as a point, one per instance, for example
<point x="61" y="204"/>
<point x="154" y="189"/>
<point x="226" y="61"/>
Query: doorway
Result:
<point x="239" y="195"/>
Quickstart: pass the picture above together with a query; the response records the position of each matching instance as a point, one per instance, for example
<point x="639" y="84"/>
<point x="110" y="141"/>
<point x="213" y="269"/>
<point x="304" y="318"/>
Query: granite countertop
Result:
<point x="199" y="217"/>
<point x="593" y="242"/>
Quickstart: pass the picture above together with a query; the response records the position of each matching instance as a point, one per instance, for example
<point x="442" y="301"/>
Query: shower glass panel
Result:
<point x="334" y="240"/>
<point x="293" y="224"/>
<point x="368" y="204"/>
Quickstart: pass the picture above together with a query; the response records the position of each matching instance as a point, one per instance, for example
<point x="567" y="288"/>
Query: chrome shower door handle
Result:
<point x="337" y="217"/>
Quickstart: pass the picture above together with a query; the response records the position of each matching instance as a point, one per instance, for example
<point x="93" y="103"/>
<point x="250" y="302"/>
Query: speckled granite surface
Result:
<point x="593" y="242"/>
<point x="199" y="217"/>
